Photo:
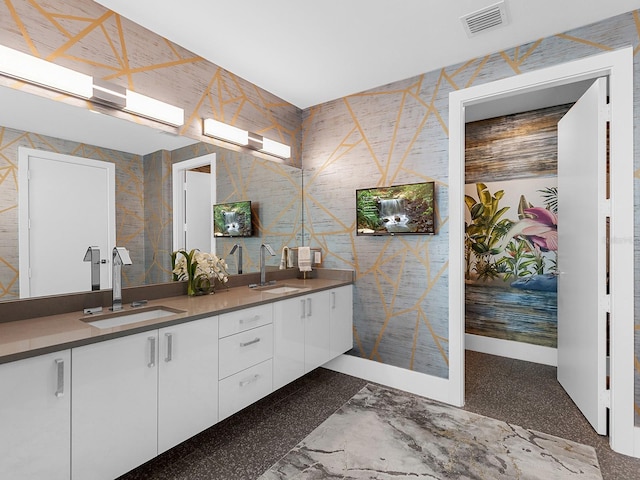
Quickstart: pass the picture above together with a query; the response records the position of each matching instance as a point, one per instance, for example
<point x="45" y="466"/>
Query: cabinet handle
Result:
<point x="152" y="352"/>
<point x="253" y="379"/>
<point x="242" y="321"/>
<point x="169" y="337"/>
<point x="309" y="314"/>
<point x="333" y="300"/>
<point x="60" y="375"/>
<point x="250" y="342"/>
<point x="302" y="309"/>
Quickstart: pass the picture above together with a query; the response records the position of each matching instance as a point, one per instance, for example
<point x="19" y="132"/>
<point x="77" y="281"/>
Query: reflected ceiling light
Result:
<point x="154" y="109"/>
<point x="229" y="133"/>
<point x="26" y="67"/>
<point x="275" y="148"/>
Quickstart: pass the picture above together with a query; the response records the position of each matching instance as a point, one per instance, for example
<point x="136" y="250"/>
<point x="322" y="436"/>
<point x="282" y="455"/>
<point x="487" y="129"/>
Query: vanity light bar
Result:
<point x="275" y="148"/>
<point x="154" y="109"/>
<point x="229" y="133"/>
<point x="35" y="70"/>
<point x="26" y="67"/>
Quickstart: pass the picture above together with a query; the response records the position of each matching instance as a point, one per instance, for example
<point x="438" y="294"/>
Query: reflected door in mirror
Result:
<point x="67" y="204"/>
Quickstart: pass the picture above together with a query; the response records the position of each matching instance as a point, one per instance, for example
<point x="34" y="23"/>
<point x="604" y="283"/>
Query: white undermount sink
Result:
<point x="284" y="289"/>
<point x="118" y="319"/>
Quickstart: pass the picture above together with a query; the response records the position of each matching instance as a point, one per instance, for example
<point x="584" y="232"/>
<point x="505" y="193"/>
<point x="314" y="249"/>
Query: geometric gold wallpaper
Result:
<point x="393" y="134"/>
<point x="398" y="133"/>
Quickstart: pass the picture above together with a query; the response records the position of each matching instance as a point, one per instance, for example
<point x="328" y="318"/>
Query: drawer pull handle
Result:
<point x="60" y="375"/>
<point x="302" y="309"/>
<point x="309" y="313"/>
<point x="253" y="379"/>
<point x="152" y="352"/>
<point x="242" y="321"/>
<point x="169" y="337"/>
<point x="250" y="342"/>
<point x="333" y="300"/>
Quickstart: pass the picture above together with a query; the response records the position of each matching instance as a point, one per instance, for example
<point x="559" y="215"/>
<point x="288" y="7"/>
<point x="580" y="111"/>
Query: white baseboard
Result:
<point x="395" y="377"/>
<point x="636" y="442"/>
<point x="511" y="349"/>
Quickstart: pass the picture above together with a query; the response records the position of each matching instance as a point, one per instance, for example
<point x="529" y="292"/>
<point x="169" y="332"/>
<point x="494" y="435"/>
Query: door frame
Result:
<point x="24" y="255"/>
<point x="618" y="67"/>
<point x="178" y="181"/>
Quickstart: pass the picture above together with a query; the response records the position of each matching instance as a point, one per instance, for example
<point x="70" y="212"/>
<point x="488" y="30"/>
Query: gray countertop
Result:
<point x="35" y="336"/>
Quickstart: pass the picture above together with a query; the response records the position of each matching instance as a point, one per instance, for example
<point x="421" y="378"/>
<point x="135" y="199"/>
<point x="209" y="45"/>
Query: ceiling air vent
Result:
<point x="485" y="19"/>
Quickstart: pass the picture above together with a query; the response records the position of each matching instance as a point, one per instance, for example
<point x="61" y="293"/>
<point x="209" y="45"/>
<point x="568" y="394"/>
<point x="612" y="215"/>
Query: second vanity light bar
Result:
<point x="229" y="133"/>
<point x="35" y="70"/>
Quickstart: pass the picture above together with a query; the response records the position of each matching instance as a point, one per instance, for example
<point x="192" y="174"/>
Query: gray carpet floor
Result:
<point x="245" y="445"/>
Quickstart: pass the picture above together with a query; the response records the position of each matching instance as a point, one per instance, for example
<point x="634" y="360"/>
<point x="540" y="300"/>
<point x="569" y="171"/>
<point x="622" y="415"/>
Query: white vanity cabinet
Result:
<point x="341" y="320"/>
<point x="35" y="411"/>
<point x="139" y="395"/>
<point x="246" y="351"/>
<point x="302" y="336"/>
<point x="114" y="416"/>
<point x="188" y="381"/>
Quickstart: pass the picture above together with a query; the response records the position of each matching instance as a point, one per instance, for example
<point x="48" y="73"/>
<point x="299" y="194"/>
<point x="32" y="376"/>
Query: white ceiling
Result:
<point x="309" y="52"/>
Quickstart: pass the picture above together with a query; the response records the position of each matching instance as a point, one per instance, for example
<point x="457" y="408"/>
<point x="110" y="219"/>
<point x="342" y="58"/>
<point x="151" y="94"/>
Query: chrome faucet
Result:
<point x="263" y="273"/>
<point x="233" y="250"/>
<point x="93" y="256"/>
<point x="120" y="257"/>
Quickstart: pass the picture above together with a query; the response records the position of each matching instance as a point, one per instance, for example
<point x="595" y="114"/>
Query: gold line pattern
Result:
<point x="103" y="44"/>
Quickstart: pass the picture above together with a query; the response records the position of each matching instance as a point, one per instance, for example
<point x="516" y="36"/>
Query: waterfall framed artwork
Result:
<point x="232" y="219"/>
<point x="396" y="210"/>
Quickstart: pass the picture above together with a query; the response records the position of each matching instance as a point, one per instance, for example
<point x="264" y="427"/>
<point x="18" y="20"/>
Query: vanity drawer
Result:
<point x="243" y="350"/>
<point x="241" y="320"/>
<point x="244" y="388"/>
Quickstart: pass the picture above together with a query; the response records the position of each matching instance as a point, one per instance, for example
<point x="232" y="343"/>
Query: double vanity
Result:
<point x="94" y="396"/>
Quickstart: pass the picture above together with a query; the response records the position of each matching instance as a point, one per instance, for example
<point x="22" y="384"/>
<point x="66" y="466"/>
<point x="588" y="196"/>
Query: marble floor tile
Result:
<point x="387" y="434"/>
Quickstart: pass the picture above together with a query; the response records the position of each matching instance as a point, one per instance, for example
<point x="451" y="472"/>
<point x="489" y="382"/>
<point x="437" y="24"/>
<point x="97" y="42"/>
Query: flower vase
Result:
<point x="191" y="289"/>
<point x="200" y="285"/>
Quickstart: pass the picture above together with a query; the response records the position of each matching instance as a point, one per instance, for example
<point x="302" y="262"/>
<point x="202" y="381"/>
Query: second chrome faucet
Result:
<point x="263" y="267"/>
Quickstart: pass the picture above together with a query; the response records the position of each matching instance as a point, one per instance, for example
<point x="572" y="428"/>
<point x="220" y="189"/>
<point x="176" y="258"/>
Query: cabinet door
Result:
<point x="341" y="320"/>
<point x="288" y="340"/>
<point x="188" y="381"/>
<point x="114" y="416"/>
<point x="317" y="334"/>
<point x="35" y="418"/>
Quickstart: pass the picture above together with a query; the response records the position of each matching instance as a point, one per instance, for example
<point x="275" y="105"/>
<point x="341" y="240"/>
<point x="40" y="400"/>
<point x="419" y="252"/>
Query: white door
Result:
<point x="582" y="248"/>
<point x="198" y="211"/>
<point x="66" y="205"/>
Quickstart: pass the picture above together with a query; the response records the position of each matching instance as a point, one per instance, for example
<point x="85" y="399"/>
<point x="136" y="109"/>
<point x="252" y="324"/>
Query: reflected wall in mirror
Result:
<point x="143" y="199"/>
<point x="274" y="190"/>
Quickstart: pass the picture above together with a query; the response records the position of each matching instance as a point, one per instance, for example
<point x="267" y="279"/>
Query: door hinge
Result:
<point x="605" y="398"/>
<point x="605" y="206"/>
<point x="607" y="112"/>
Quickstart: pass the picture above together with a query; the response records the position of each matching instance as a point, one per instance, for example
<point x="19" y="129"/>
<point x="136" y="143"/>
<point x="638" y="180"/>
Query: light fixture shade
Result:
<point x="22" y="66"/>
<point x="275" y="148"/>
<point x="154" y="109"/>
<point x="229" y="133"/>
